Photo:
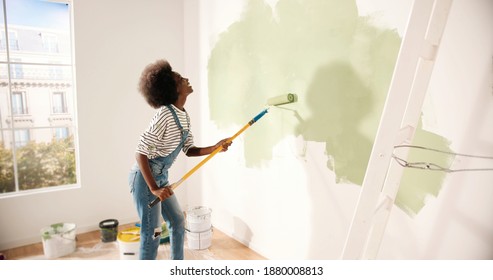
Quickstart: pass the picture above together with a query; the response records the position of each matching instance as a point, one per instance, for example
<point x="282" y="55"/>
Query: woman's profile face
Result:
<point x="182" y="85"/>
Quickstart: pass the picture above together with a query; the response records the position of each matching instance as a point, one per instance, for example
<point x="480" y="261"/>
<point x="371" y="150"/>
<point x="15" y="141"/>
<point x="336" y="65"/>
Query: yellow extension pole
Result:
<point x="217" y="150"/>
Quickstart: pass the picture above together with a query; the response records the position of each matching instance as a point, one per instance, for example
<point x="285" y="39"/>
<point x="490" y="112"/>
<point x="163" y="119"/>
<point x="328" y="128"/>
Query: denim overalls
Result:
<point x="170" y="209"/>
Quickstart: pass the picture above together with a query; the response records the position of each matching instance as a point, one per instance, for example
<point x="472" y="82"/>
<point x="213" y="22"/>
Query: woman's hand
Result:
<point x="225" y="143"/>
<point x="196" y="151"/>
<point x="163" y="193"/>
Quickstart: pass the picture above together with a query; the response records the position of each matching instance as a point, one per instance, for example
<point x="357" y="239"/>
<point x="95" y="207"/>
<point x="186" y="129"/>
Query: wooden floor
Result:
<point x="223" y="247"/>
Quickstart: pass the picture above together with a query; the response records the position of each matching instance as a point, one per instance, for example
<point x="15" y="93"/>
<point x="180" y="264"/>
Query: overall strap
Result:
<point x="184" y="134"/>
<point x="175" y="117"/>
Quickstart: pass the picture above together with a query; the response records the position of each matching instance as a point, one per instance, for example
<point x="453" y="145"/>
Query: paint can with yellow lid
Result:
<point x="129" y="243"/>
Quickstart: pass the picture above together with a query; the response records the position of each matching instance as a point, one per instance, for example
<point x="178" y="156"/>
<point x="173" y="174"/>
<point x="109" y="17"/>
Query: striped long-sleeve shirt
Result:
<point x="163" y="134"/>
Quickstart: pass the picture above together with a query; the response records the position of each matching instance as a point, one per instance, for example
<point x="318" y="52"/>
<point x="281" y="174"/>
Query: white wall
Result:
<point x="114" y="40"/>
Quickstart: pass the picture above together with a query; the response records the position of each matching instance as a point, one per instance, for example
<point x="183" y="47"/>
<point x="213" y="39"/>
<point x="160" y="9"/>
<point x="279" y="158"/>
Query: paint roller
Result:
<point x="274" y="101"/>
<point x="282" y="99"/>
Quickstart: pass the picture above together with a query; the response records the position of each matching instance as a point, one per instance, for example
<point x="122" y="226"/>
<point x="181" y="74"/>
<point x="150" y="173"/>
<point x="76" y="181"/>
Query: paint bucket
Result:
<point x="129" y="243"/>
<point x="109" y="230"/>
<point x="198" y="219"/>
<point x="198" y="227"/>
<point x="58" y="240"/>
<point x="199" y="240"/>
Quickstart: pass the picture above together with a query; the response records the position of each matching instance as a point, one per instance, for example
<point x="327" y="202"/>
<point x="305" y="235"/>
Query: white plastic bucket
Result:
<point x="199" y="240"/>
<point x="198" y="219"/>
<point x="58" y="240"/>
<point x="129" y="243"/>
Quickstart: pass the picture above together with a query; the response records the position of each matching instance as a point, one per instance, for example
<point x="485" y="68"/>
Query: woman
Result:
<point x="159" y="145"/>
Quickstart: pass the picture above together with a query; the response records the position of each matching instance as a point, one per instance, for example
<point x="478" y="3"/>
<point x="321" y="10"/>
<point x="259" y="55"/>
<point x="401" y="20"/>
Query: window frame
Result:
<point x="69" y="130"/>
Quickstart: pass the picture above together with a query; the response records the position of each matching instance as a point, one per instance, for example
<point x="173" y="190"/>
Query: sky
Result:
<point x="38" y="13"/>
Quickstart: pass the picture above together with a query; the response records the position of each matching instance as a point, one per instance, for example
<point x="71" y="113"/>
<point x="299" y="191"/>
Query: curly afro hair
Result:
<point x="157" y="84"/>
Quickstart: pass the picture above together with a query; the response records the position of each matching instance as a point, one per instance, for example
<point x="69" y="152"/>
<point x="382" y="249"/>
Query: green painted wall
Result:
<point x="338" y="64"/>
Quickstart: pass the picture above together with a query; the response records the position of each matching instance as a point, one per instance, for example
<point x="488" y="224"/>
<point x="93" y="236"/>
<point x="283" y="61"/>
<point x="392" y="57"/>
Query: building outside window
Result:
<point x="38" y="129"/>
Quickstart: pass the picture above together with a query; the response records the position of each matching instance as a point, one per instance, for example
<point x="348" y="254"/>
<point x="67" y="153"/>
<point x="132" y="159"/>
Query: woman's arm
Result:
<point x="145" y="169"/>
<point x="202" y="151"/>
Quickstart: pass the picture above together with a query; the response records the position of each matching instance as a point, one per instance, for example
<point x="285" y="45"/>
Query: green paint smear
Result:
<point x="338" y="64"/>
<point x="417" y="185"/>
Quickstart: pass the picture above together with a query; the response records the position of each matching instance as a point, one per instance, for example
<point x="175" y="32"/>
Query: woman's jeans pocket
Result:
<point x="131" y="180"/>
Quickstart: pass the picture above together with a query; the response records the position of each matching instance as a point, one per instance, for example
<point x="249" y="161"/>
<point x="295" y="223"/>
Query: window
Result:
<point x="61" y="133"/>
<point x="21" y="137"/>
<point x="19" y="103"/>
<point x="50" y="43"/>
<point x="13" y="43"/>
<point x="16" y="71"/>
<point x="59" y="105"/>
<point x="37" y="97"/>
